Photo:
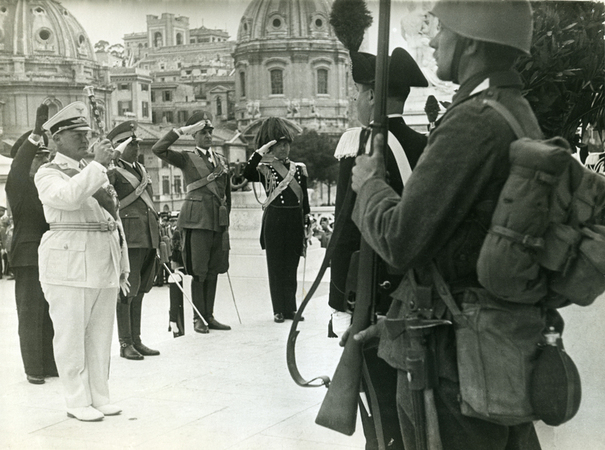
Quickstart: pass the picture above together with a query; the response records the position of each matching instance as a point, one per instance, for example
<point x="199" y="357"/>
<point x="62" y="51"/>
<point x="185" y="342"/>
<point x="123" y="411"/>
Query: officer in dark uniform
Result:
<point x="285" y="211"/>
<point x="35" y="326"/>
<point x="405" y="148"/>
<point x="140" y="221"/>
<point x="204" y="216"/>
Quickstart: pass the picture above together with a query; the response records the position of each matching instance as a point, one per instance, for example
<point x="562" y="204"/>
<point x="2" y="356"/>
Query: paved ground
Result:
<point x="231" y="390"/>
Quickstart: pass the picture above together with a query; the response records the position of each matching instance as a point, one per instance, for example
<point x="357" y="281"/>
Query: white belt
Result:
<point x="83" y="226"/>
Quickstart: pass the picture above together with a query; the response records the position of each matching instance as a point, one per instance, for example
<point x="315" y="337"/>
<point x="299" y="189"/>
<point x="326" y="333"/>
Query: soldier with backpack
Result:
<point x="435" y="230"/>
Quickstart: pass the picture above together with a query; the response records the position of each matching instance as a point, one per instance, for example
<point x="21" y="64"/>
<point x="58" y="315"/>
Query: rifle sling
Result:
<point x="347" y="210"/>
<point x="291" y="344"/>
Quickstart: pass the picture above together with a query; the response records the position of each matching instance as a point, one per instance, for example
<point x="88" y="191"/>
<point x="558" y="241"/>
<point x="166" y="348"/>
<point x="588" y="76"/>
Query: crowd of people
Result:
<point x="85" y="242"/>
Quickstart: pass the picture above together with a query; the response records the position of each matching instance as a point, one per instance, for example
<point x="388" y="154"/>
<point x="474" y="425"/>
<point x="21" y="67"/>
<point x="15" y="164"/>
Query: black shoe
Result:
<point x="35" y="379"/>
<point x="278" y="318"/>
<point x="144" y="350"/>
<point x="213" y="324"/>
<point x="129" y="352"/>
<point x="290" y="316"/>
<point x="200" y="327"/>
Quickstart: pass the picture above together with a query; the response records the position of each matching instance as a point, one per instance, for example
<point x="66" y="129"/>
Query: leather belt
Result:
<point x="83" y="226"/>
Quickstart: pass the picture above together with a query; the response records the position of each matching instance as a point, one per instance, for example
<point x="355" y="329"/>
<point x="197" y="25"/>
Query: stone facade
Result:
<point x="289" y="63"/>
<point x="45" y="57"/>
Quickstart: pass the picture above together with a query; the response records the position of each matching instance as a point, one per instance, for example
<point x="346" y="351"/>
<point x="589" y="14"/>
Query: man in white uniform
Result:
<point x="83" y="262"/>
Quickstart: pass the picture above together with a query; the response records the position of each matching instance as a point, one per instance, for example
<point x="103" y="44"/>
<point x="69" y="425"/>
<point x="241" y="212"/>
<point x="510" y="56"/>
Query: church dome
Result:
<point x="279" y="19"/>
<point x="42" y="28"/>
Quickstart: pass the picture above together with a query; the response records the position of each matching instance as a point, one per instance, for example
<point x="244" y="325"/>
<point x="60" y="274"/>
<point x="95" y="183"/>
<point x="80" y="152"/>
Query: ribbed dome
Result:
<point x="42" y="28"/>
<point x="270" y="19"/>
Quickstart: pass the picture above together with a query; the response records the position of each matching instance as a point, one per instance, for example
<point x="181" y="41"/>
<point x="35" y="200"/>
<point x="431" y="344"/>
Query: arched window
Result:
<point x="219" y="106"/>
<point x="277" y="82"/>
<point x="157" y="39"/>
<point x="179" y="39"/>
<point x="322" y="81"/>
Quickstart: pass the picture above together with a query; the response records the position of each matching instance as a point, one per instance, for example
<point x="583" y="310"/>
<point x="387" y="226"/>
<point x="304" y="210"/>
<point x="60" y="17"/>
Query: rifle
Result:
<point x="339" y="409"/>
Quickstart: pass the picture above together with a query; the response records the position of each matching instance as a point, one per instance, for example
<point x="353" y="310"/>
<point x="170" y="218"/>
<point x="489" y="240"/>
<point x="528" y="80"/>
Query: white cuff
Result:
<point x="103" y="168"/>
<point x="31" y="139"/>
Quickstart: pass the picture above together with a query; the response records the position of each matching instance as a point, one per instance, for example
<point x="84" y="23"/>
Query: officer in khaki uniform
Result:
<point x="204" y="216"/>
<point x="83" y="261"/>
<point x="140" y="221"/>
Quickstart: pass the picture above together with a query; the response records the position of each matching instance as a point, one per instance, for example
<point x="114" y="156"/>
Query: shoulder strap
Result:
<point x="207" y="177"/>
<point x="288" y="181"/>
<point x="446" y="295"/>
<point x="139" y="189"/>
<point x="405" y="170"/>
<point x="508" y="116"/>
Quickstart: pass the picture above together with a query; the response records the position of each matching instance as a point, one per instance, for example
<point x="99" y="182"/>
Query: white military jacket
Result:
<point x="79" y="258"/>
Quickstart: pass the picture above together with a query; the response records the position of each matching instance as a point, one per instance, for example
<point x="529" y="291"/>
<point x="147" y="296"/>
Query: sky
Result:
<point x="110" y="20"/>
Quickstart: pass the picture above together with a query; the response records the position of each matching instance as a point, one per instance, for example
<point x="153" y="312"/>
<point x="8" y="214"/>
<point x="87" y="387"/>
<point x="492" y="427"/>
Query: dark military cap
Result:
<point x="42" y="146"/>
<point x="403" y="70"/>
<point x="198" y="117"/>
<point x="122" y="132"/>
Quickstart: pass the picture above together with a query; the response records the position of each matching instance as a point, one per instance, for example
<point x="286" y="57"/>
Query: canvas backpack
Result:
<point x="547" y="236"/>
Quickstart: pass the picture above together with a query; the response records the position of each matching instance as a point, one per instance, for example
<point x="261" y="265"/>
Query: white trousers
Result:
<point x="83" y="321"/>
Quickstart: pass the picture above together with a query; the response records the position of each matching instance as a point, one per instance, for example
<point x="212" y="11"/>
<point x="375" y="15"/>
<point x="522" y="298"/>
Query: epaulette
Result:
<point x="348" y="144"/>
<point x="303" y="168"/>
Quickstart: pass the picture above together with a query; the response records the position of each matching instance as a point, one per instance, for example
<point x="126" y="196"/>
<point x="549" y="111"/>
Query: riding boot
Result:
<point x="123" y="321"/>
<point x="198" y="295"/>
<point x="210" y="295"/>
<point x="177" y="313"/>
<point x="127" y="349"/>
<point x="135" y="318"/>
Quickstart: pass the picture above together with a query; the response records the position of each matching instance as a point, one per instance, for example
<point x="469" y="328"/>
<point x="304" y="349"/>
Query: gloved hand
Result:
<point x="120" y="148"/>
<point x="41" y="118"/>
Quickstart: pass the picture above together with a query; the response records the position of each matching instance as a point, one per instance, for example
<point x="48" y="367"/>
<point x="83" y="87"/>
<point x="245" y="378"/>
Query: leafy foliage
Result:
<point x="317" y="152"/>
<point x="564" y="77"/>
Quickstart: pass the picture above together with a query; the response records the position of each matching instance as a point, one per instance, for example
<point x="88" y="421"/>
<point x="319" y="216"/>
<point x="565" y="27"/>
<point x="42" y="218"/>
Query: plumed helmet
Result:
<point x="403" y="70"/>
<point x="505" y="22"/>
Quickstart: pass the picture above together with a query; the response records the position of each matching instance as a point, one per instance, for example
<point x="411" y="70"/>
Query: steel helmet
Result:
<point x="506" y="22"/>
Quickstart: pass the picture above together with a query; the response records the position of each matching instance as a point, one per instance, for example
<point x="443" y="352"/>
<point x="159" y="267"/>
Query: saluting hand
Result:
<point x="367" y="167"/>
<point x="41" y="118"/>
<point x="265" y="148"/>
<point x="192" y="129"/>
<point x="103" y="152"/>
<point x="120" y="148"/>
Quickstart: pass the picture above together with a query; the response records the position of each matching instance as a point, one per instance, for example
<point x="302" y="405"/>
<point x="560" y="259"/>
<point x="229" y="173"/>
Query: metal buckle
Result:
<point x="211" y="177"/>
<point x="108" y="226"/>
